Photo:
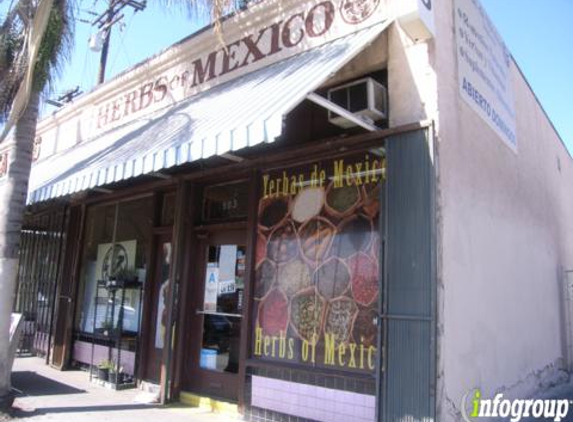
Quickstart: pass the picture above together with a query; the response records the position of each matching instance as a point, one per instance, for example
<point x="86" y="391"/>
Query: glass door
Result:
<point x="222" y="308"/>
<point x="218" y="316"/>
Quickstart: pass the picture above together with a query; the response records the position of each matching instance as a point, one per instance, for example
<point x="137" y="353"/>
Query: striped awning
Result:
<point x="238" y="114"/>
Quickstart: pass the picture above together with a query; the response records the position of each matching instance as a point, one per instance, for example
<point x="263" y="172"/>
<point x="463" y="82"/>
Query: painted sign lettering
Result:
<point x="317" y="261"/>
<point x="284" y="34"/>
<point x="266" y="32"/>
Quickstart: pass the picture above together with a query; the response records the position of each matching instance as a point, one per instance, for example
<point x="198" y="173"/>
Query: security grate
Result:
<point x="41" y="244"/>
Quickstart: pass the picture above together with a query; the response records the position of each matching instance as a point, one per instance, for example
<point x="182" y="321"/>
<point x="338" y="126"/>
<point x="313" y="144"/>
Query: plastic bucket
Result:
<point x="208" y="359"/>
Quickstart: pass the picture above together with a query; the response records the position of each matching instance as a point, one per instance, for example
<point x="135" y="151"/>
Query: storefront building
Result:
<point x="348" y="212"/>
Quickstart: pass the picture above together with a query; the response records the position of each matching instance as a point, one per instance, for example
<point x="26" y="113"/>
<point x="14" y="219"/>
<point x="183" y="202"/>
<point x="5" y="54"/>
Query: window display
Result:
<point x="117" y="238"/>
<point x="317" y="280"/>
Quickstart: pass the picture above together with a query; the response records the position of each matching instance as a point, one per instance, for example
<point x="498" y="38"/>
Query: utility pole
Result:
<point x="105" y="47"/>
<point x="105" y="22"/>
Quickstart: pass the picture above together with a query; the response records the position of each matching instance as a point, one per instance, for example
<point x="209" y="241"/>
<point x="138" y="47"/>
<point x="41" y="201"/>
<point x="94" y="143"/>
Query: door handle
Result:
<point x="224" y="314"/>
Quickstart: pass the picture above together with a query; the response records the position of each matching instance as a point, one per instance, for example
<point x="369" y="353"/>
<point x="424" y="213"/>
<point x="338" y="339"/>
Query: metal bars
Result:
<point x="39" y="273"/>
<point x="407" y="392"/>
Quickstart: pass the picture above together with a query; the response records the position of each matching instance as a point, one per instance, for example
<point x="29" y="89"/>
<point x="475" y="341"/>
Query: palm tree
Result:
<point x="35" y="37"/>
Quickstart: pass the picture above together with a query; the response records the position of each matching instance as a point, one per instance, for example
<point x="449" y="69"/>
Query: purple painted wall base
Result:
<point x="83" y="352"/>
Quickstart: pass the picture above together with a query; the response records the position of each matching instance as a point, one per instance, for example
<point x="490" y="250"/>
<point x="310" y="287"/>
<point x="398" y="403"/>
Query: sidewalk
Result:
<point x="51" y="395"/>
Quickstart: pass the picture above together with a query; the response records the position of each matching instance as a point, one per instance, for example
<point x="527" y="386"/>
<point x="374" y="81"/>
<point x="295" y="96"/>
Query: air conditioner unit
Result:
<point x="362" y="97"/>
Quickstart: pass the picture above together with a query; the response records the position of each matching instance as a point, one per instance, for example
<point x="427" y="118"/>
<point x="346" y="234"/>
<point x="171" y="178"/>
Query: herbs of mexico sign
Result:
<point x="300" y="27"/>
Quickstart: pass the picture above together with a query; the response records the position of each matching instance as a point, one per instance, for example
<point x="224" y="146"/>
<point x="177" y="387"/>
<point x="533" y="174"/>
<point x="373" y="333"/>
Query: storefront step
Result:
<point x="214" y="405"/>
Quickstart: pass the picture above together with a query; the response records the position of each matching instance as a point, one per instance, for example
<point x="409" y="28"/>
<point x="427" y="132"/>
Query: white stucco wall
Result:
<point x="506" y="233"/>
<point x="412" y="95"/>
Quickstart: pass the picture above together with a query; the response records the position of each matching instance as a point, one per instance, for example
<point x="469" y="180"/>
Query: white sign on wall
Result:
<point x="427" y="14"/>
<point x="484" y="65"/>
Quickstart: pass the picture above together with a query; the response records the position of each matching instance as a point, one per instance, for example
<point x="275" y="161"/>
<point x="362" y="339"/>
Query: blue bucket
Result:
<point x="208" y="359"/>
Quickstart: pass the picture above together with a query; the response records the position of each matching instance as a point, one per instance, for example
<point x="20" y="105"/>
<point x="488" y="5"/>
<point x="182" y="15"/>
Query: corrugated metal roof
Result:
<point x="238" y="114"/>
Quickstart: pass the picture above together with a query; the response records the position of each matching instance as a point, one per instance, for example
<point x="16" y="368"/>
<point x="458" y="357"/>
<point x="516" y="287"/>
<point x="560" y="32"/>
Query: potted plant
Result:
<point x="103" y="369"/>
<point x="116" y="375"/>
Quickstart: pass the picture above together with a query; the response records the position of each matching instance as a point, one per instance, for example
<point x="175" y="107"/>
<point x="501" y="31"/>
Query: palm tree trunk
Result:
<point x="13" y="192"/>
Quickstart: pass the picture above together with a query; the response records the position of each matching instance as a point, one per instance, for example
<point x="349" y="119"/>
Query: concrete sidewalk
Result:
<point x="46" y="394"/>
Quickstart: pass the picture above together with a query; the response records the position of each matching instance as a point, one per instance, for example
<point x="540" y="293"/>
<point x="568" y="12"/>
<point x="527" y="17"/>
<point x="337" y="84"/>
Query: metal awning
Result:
<point x="240" y="113"/>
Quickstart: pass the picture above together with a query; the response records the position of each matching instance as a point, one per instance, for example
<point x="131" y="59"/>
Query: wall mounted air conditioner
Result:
<point x="362" y="97"/>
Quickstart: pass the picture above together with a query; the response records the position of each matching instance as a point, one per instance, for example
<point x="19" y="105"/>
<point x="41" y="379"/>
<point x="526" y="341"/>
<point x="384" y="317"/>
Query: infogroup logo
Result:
<point x="513" y="410"/>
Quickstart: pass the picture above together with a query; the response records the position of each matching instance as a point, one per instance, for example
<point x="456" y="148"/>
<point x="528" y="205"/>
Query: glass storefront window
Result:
<point x="317" y="277"/>
<point x="99" y="231"/>
<point x="116" y="246"/>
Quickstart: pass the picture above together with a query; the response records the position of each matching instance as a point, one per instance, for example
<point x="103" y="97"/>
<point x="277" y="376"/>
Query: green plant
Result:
<point x="106" y="364"/>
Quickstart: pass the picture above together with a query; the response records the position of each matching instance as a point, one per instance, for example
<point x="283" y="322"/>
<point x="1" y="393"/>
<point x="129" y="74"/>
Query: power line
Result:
<point x="122" y="47"/>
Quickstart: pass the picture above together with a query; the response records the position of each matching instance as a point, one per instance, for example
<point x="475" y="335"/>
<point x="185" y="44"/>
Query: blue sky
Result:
<point x="139" y="36"/>
<point x="537" y="34"/>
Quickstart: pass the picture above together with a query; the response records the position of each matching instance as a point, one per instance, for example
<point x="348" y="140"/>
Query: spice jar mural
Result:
<point x="317" y="278"/>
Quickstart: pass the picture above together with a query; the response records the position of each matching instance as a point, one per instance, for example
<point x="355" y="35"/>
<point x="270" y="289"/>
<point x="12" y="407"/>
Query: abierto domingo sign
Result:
<point x="484" y="65"/>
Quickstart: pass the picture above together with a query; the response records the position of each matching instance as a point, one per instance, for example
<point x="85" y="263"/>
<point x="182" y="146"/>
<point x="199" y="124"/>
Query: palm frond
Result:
<point x="215" y="10"/>
<point x="31" y="56"/>
<point x="56" y="46"/>
<point x="12" y="62"/>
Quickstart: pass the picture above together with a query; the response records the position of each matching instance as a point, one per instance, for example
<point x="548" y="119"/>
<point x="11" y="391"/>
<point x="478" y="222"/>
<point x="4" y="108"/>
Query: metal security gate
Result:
<point x="408" y="388"/>
<point x="39" y="273"/>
